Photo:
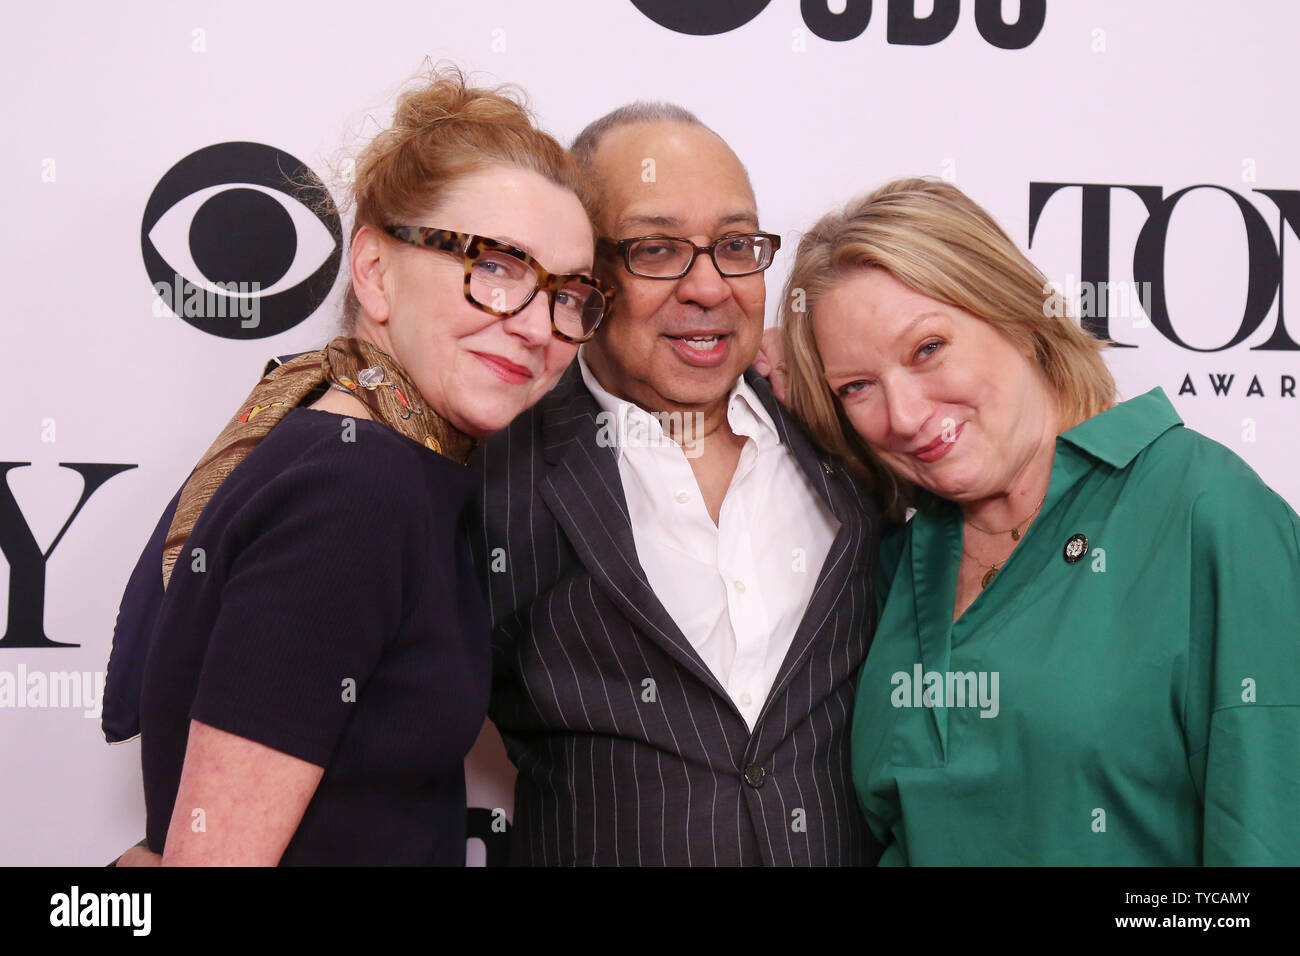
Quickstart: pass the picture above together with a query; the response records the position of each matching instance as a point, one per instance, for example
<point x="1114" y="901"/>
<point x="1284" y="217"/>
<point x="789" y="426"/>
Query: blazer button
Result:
<point x="755" y="775"/>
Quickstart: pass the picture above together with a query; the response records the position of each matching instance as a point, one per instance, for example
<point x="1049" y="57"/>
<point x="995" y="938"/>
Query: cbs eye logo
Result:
<point x="701" y="19"/>
<point x="251" y="237"/>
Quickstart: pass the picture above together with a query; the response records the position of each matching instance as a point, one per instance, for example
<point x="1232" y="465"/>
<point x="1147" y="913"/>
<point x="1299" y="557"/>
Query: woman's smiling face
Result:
<point x="941" y="397"/>
<point x="476" y="369"/>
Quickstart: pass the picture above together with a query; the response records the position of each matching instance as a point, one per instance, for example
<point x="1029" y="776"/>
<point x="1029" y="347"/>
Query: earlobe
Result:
<point x="370" y="261"/>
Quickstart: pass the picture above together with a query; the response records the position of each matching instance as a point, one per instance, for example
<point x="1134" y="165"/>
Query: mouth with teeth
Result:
<point x="701" y="350"/>
<point x="703" y="343"/>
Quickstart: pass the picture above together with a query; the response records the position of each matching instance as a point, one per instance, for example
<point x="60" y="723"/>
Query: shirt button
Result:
<point x="682" y="497"/>
<point x="745" y="700"/>
<point x="755" y="775"/>
<point x="740" y="587"/>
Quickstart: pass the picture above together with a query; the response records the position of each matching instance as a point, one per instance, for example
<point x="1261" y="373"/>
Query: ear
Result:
<point x="370" y="259"/>
<point x="606" y="267"/>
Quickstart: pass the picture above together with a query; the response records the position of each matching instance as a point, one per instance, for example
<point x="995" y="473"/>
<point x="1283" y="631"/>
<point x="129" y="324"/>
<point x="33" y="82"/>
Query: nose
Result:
<point x="703" y="284"/>
<point x="907" y="406"/>
<point x="532" y="324"/>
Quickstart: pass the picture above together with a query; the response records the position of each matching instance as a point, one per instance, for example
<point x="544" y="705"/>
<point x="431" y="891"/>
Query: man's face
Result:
<point x="674" y="179"/>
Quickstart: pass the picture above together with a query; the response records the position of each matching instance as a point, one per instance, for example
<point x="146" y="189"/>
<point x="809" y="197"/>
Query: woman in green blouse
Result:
<point x="1088" y="649"/>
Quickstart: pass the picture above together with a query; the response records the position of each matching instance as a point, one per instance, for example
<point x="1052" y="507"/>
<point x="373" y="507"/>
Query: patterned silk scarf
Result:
<point x="351" y="364"/>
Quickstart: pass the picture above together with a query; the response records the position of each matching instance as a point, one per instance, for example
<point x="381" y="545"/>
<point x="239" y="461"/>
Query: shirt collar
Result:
<point x="1117" y="435"/>
<point x="745" y="412"/>
<point x="748" y="417"/>
<point x="1114" y="437"/>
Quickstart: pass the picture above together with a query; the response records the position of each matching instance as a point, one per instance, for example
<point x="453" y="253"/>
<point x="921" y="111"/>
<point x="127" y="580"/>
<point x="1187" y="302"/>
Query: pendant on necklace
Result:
<point x="1015" y="534"/>
<point x="988" y="577"/>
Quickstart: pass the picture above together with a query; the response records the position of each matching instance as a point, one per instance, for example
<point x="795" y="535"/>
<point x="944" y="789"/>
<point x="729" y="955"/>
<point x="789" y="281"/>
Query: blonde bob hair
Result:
<point x="934" y="239"/>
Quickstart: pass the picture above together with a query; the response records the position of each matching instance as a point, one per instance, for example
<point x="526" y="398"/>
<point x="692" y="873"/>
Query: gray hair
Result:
<point x="642" y="111"/>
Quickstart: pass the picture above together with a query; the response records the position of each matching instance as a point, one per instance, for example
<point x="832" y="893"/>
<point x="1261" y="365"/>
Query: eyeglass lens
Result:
<point x="502" y="283"/>
<point x="733" y="255"/>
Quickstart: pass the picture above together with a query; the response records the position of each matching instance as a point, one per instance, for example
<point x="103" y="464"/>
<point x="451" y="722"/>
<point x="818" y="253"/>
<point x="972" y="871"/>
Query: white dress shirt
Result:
<point x="737" y="589"/>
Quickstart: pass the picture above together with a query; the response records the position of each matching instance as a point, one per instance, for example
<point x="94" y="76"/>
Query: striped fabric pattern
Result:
<point x="629" y="751"/>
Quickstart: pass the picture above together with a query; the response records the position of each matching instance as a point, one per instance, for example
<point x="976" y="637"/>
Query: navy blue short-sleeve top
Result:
<point x="326" y="606"/>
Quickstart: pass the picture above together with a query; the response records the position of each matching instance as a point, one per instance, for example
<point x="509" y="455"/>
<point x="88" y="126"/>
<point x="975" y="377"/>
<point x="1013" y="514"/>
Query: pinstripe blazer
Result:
<point x="629" y="750"/>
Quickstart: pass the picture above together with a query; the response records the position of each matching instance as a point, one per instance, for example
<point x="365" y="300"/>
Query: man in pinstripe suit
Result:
<point x="679" y="582"/>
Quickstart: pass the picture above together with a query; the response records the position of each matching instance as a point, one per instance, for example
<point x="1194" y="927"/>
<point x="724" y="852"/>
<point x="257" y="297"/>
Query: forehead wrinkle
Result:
<point x="745" y="217"/>
<point x="748" y="216"/>
<point x="663" y="222"/>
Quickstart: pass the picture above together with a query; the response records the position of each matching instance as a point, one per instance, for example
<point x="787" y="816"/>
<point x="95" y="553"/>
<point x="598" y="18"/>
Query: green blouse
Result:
<point x="1137" y="705"/>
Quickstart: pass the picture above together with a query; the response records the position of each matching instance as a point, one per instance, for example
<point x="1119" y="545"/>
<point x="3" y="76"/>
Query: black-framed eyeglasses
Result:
<point x="502" y="280"/>
<point x="671" y="257"/>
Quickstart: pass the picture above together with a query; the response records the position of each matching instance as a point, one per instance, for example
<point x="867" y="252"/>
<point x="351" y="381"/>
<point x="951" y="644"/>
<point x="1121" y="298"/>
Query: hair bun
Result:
<point x="443" y="130"/>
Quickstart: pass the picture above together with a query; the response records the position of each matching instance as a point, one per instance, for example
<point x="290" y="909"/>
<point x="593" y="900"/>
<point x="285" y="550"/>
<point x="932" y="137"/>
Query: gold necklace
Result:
<point x="990" y="574"/>
<point x="993" y="569"/>
<point x="1015" y="530"/>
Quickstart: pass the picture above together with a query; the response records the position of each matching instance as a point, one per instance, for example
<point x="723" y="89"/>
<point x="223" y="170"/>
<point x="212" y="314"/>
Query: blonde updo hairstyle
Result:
<point x="934" y="239"/>
<point x="444" y="130"/>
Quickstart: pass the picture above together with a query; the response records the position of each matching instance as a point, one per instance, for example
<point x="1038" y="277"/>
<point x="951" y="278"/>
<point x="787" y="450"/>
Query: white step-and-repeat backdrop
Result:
<point x="1146" y="154"/>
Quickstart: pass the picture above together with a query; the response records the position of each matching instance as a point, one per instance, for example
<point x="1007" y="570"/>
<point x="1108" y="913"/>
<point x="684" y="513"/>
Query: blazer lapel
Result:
<point x="584" y="491"/>
<point x="849" y="547"/>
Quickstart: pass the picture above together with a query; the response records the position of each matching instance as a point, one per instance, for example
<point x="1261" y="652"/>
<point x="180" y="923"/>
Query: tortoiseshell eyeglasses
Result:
<point x="501" y="280"/>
